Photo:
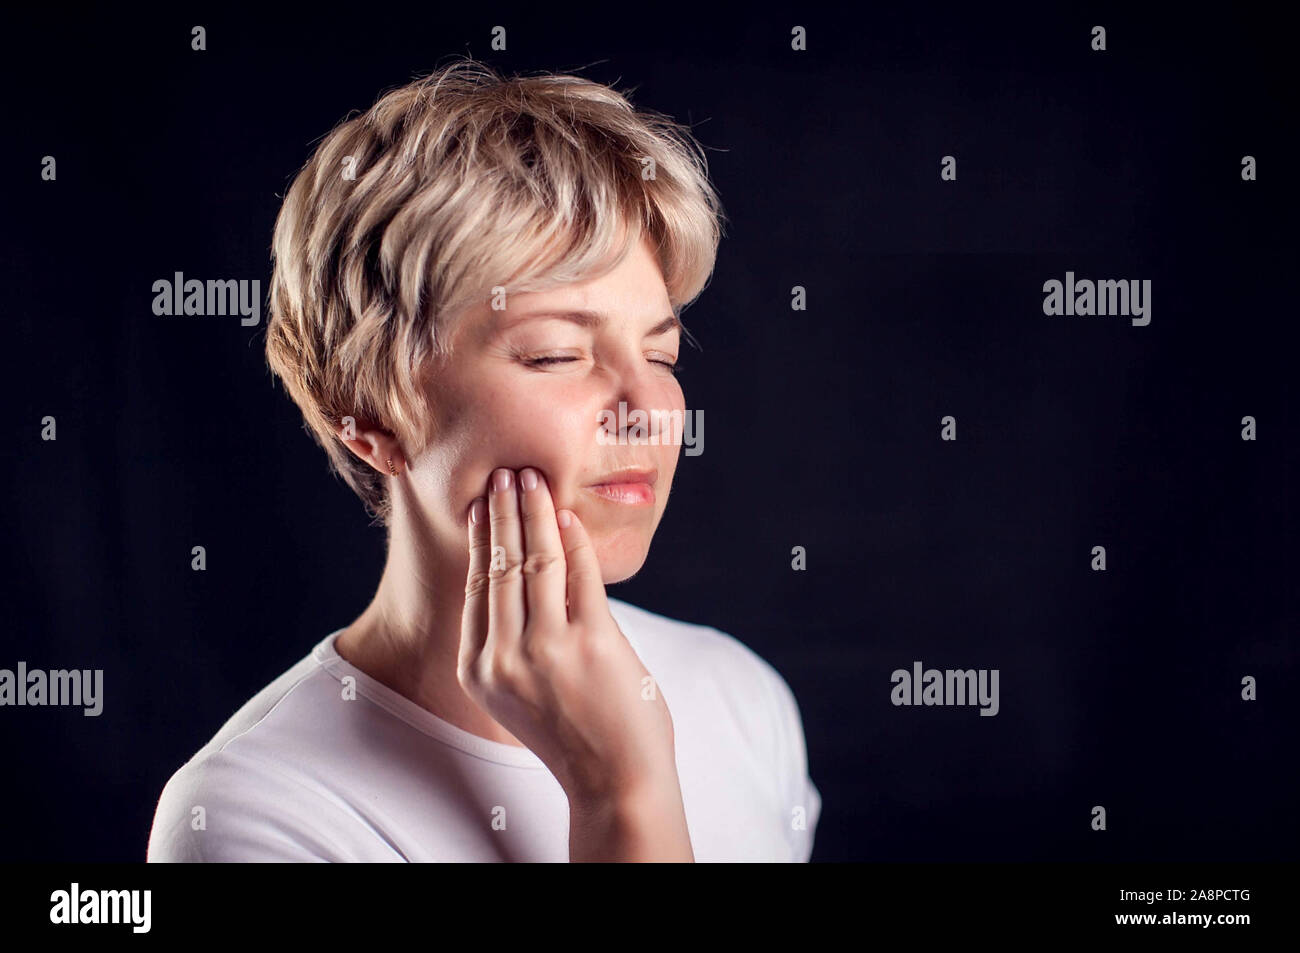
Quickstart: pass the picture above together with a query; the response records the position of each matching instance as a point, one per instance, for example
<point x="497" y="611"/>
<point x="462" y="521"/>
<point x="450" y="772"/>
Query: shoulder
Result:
<point x="704" y="657"/>
<point x="729" y="693"/>
<point x="232" y="801"/>
<point x="707" y="647"/>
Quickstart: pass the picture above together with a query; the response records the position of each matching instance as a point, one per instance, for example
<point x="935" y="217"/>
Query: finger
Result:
<point x="474" y="619"/>
<point x="586" y="587"/>
<point x="544" y="563"/>
<point x="505" y="580"/>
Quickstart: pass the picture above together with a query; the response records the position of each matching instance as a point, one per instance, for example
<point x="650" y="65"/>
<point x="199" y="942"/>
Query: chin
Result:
<point x="621" y="559"/>
<point x="610" y="577"/>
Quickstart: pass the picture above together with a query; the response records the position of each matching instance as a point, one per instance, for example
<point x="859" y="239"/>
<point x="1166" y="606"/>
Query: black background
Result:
<point x="1118" y="688"/>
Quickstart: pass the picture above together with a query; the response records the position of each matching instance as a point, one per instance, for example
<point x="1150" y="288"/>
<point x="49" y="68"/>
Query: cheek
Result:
<point x="515" y="430"/>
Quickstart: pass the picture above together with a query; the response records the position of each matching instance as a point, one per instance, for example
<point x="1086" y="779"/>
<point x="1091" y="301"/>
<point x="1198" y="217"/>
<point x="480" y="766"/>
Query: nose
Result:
<point x="637" y="385"/>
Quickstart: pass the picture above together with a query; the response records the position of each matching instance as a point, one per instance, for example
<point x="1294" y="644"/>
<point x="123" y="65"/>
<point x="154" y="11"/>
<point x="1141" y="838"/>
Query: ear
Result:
<point x="373" y="444"/>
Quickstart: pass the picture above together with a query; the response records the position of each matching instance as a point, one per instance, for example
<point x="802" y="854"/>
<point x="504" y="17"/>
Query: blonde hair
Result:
<point x="446" y="188"/>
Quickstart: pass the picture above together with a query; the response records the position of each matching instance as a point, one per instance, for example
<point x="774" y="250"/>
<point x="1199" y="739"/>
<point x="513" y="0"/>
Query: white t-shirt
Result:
<point x="328" y="764"/>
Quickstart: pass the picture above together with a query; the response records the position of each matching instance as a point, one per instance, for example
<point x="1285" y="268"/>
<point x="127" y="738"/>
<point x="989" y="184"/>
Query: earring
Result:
<point x="391" y="468"/>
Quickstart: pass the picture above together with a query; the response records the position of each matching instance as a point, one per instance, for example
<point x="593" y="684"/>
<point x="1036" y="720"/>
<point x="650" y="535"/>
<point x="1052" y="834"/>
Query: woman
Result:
<point x="470" y="280"/>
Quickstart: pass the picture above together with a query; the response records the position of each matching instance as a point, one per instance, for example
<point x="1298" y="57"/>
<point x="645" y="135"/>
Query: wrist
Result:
<point x="641" y="823"/>
<point x="628" y="795"/>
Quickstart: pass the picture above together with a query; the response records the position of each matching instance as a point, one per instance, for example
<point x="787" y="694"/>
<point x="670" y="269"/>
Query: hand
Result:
<point x="541" y="653"/>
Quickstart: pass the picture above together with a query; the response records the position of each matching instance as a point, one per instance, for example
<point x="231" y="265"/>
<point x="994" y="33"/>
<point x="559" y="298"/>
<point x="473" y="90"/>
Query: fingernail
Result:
<point x="565" y="518"/>
<point x="528" y="478"/>
<point x="501" y="480"/>
<point x="476" y="510"/>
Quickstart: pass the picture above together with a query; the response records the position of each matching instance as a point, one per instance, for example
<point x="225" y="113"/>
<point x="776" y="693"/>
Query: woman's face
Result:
<point x="495" y="405"/>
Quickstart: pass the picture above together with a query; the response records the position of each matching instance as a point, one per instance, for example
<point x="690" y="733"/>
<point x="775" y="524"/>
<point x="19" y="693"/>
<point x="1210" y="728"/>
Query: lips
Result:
<point x="628" y="475"/>
<point x="632" y="487"/>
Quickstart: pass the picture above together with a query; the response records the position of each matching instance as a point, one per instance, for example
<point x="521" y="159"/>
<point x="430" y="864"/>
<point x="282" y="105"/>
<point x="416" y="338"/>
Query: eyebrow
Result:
<point x="590" y="319"/>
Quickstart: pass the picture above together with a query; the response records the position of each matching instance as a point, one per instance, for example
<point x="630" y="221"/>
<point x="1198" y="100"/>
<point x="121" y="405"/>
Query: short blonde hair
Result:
<point x="446" y="188"/>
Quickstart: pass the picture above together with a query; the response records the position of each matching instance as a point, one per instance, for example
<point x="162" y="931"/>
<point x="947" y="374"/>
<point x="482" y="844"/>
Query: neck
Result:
<point x="408" y="638"/>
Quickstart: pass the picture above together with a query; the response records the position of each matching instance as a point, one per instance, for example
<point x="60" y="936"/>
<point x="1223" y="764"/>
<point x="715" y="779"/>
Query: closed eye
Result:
<point x="542" y="361"/>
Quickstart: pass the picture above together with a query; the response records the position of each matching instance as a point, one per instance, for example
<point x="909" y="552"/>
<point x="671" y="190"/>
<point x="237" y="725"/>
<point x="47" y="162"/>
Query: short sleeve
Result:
<point x="802" y="800"/>
<point x="220" y="810"/>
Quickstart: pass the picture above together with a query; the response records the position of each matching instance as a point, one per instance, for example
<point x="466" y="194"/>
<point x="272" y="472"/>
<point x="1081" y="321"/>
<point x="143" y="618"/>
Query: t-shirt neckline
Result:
<point x="426" y="721"/>
<point x="417" y="716"/>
